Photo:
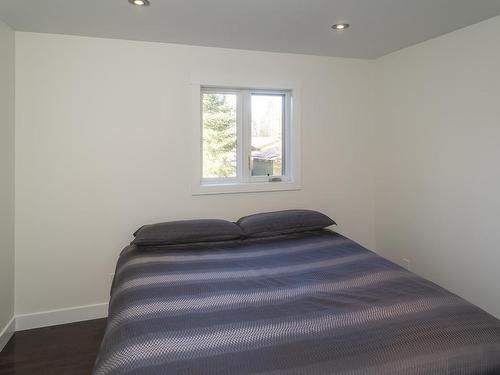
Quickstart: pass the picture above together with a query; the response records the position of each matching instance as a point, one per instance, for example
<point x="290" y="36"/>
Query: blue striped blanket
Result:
<point x="314" y="303"/>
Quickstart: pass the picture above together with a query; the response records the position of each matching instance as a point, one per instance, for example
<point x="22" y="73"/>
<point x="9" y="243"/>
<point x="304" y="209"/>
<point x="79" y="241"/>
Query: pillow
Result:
<point x="186" y="231"/>
<point x="283" y="222"/>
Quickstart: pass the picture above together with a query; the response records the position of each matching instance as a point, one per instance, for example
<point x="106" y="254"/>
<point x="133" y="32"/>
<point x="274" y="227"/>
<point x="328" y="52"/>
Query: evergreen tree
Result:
<point x="219" y="136"/>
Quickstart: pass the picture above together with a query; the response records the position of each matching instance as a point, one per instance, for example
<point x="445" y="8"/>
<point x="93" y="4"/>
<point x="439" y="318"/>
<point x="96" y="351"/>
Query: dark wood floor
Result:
<point x="68" y="349"/>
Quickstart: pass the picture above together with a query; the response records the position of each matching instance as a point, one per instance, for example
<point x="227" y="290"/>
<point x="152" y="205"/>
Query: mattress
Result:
<point x="311" y="303"/>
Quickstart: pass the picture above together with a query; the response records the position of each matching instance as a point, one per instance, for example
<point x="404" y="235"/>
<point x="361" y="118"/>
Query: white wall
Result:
<point x="101" y="125"/>
<point x="6" y="176"/>
<point x="102" y="146"/>
<point x="438" y="166"/>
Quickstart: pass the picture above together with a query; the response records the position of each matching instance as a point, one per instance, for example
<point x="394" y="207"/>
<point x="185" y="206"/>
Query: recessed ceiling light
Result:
<point x="141" y="3"/>
<point x="340" y="26"/>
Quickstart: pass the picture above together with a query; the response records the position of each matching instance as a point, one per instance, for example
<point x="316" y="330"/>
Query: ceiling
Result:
<point x="378" y="27"/>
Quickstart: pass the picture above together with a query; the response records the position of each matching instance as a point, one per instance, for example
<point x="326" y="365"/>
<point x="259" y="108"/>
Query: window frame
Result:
<point x="244" y="181"/>
<point x="285" y="134"/>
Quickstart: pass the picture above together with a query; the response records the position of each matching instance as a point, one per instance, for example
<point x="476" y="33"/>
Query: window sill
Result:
<point x="251" y="187"/>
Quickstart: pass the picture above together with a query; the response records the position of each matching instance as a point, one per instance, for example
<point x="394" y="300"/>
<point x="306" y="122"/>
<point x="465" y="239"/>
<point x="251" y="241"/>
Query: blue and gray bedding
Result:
<point x="308" y="303"/>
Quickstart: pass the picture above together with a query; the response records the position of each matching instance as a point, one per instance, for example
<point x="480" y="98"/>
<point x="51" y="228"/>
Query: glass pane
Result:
<point x="219" y="135"/>
<point x="267" y="135"/>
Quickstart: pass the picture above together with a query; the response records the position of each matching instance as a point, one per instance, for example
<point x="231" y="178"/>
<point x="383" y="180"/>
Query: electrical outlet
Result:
<point x="406" y="264"/>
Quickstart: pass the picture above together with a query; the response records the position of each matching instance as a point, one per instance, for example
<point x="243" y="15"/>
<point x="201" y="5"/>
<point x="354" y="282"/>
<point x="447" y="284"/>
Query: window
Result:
<point x="246" y="139"/>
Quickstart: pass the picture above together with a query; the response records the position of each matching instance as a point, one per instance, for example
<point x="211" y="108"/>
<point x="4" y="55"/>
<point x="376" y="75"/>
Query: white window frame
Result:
<point x="244" y="182"/>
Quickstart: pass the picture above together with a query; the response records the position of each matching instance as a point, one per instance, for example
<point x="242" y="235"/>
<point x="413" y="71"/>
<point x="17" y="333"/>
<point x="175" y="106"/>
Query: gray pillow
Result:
<point x="283" y="222"/>
<point x="186" y="231"/>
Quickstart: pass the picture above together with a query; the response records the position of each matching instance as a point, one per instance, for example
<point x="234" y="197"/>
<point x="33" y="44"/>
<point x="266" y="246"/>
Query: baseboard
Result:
<point x="7" y="333"/>
<point x="61" y="316"/>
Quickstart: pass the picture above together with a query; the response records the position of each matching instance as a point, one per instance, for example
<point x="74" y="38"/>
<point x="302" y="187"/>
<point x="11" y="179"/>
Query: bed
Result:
<point x="303" y="303"/>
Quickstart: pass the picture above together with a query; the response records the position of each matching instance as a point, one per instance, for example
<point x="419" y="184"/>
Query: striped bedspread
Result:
<point x="314" y="303"/>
